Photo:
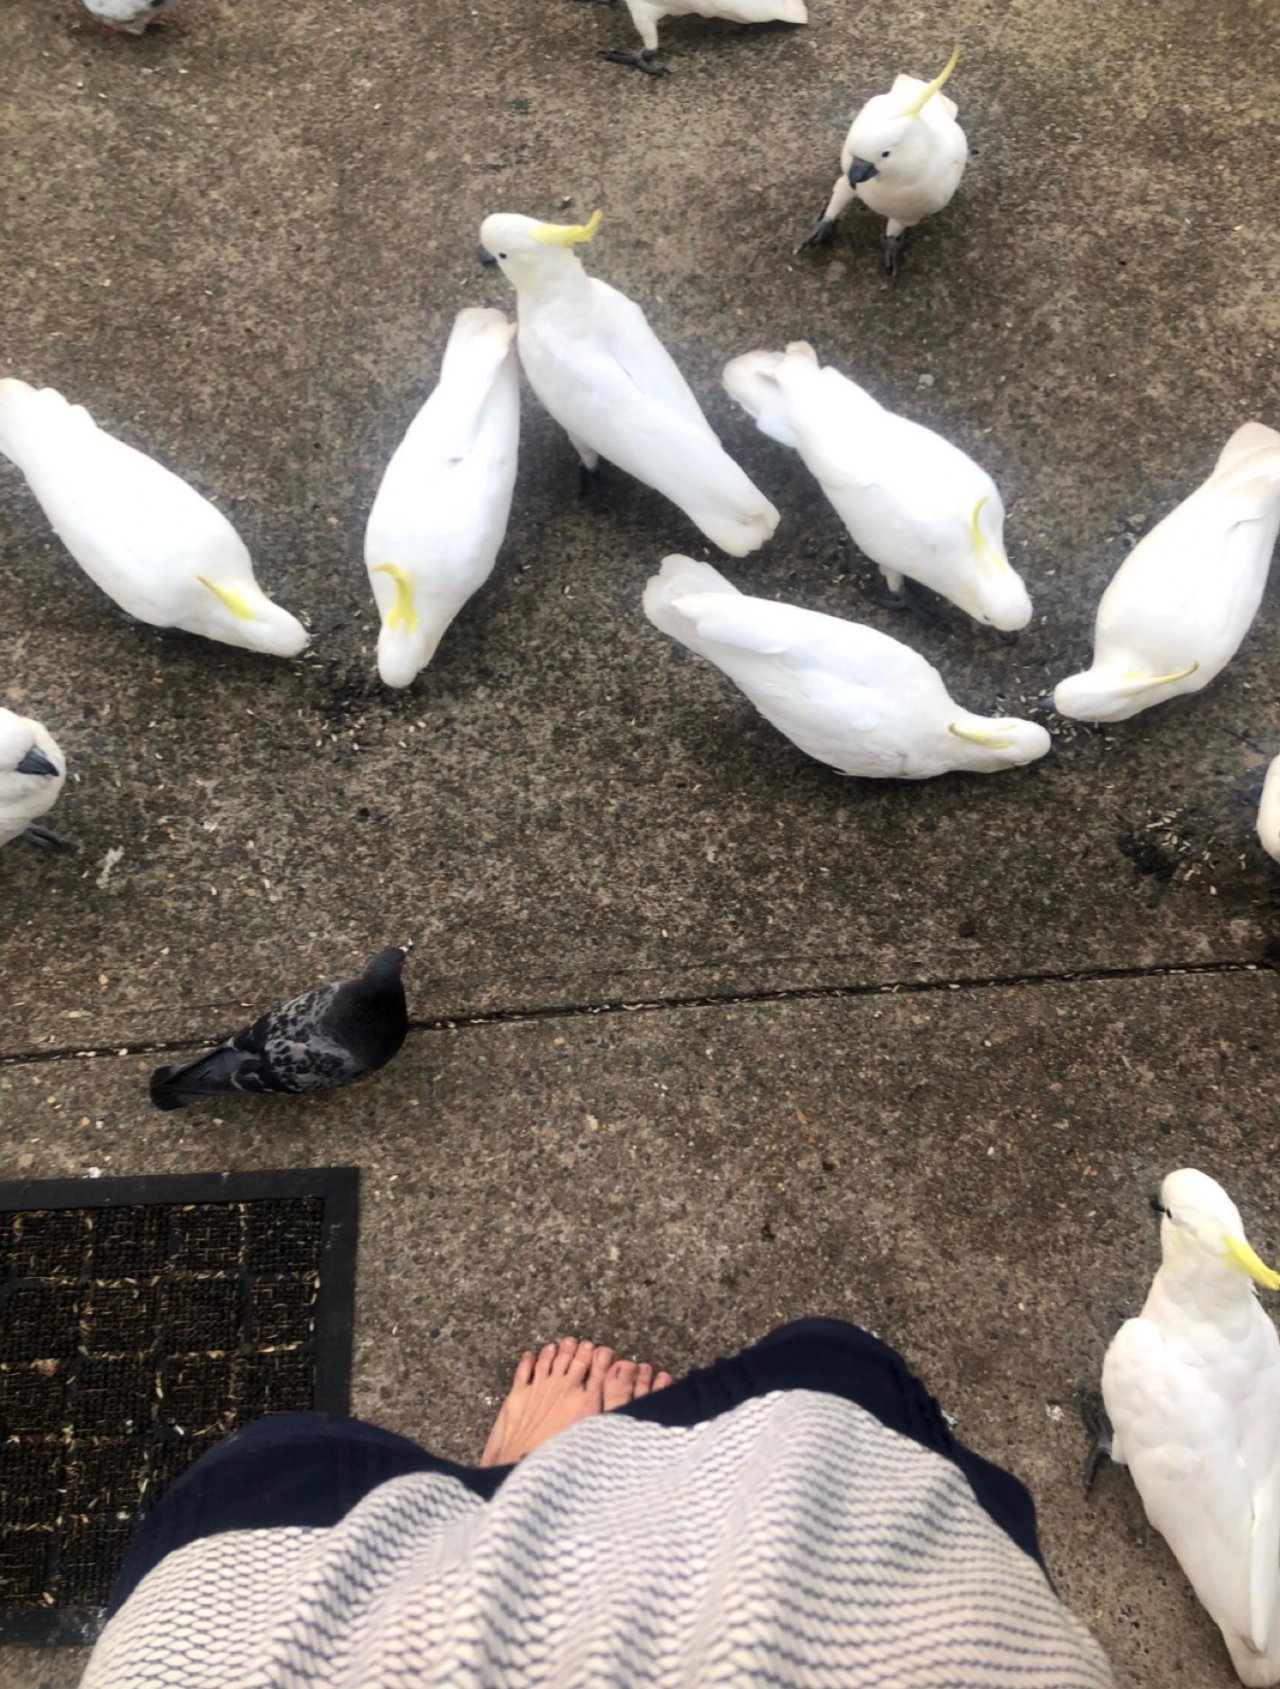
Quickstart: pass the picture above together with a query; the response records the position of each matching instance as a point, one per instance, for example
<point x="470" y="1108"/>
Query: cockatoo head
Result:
<point x="996" y="594"/>
<point x="240" y="613"/>
<point x="1201" y="1232"/>
<point x="29" y="759"/>
<point x="529" y="252"/>
<point x="985" y="746"/>
<point x="888" y="139"/>
<point x="1114" y="691"/>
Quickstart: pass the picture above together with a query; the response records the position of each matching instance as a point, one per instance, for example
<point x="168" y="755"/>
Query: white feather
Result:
<point x="151" y="542"/>
<point x="647" y="14"/>
<point x="1181" y="603"/>
<point x="602" y="373"/>
<point x="23" y="797"/>
<point x="845" y="694"/>
<point x="1269" y="811"/>
<point x="441" y="513"/>
<point x="907" y="496"/>
<point x="1192" y="1389"/>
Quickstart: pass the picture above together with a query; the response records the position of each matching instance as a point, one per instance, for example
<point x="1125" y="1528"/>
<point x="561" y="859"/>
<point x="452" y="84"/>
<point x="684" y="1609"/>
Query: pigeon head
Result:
<point x="888" y="139"/>
<point x="529" y="252"/>
<point x="384" y="970"/>
<point x="1202" y="1235"/>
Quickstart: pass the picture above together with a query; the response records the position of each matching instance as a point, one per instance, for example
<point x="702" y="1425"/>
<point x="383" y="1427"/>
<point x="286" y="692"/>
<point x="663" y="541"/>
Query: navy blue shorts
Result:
<point x="312" y="1468"/>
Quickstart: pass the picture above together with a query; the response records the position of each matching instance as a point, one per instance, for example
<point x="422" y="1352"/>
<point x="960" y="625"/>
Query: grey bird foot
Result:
<point x="891" y="246"/>
<point x="587" y="479"/>
<point x="643" y="60"/>
<point x="822" y="233"/>
<point x="908" y="597"/>
<point x="43" y="839"/>
<point x="1096" y="1423"/>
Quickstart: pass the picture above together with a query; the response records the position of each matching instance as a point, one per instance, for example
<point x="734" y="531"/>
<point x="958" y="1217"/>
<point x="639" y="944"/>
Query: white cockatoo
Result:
<point x="1192" y="1391"/>
<point x="129" y="17"/>
<point x="1182" y="601"/>
<point x="646" y="15"/>
<point x="151" y="542"/>
<point x="1269" y="811"/>
<point x="903" y="157"/>
<point x="913" y="502"/>
<point x="845" y="694"/>
<point x="609" y="382"/>
<point x="32" y="772"/>
<point x="441" y="512"/>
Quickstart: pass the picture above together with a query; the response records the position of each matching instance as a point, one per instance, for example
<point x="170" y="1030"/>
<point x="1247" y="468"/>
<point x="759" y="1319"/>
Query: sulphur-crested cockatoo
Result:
<point x="1192" y="1390"/>
<point x="903" y="157"/>
<point x="32" y="771"/>
<point x="129" y="16"/>
<point x="646" y="15"/>
<point x="914" y="503"/>
<point x="441" y="511"/>
<point x="151" y="542"/>
<point x="845" y="694"/>
<point x="1269" y="811"/>
<point x="1182" y="601"/>
<point x="609" y="382"/>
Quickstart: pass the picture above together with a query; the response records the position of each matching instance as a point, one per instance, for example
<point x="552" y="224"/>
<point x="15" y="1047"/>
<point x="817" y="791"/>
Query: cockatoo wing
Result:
<point x="446" y="494"/>
<point x="647" y="430"/>
<point x="1181" y="1441"/>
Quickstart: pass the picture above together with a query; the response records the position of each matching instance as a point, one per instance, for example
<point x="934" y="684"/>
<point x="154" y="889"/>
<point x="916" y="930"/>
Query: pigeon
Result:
<point x="441" y="511"/>
<point x="316" y="1042"/>
<point x="913" y="502"/>
<point x="128" y="17"/>
<point x="1192" y="1392"/>
<point x="903" y="157"/>
<point x="646" y="15"/>
<point x="1182" y="601"/>
<point x="847" y="695"/>
<point x="609" y="382"/>
<point x="32" y="772"/>
<point x="1269" y="811"/>
<point x="151" y="542"/>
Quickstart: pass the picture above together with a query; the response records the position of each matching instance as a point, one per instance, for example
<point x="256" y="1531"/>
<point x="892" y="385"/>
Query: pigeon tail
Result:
<point x="178" y="1087"/>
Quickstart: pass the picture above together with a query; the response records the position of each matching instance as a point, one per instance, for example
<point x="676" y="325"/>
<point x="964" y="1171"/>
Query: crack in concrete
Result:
<point x="717" y="1000"/>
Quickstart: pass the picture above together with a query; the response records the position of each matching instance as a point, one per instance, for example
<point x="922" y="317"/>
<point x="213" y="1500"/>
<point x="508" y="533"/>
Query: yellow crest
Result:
<point x="233" y="601"/>
<point x="567" y="234"/>
<point x="402" y="613"/>
<point x="986" y="552"/>
<point x="931" y="88"/>
<point x="988" y="741"/>
<point x="1239" y="1252"/>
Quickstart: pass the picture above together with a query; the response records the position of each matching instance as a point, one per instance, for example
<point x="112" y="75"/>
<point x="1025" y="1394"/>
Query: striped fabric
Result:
<point x="793" y="1541"/>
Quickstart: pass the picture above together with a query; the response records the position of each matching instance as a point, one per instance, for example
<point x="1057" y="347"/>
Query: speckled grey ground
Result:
<point x="240" y="242"/>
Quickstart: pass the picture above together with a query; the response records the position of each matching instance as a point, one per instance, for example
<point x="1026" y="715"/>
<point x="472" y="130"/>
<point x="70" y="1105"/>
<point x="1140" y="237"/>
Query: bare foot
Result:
<point x="568" y="1381"/>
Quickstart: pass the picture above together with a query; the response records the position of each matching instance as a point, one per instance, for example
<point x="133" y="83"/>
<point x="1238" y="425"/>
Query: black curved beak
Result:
<point x="486" y="257"/>
<point x="1157" y="1207"/>
<point x="860" y="171"/>
<point x="36" y="762"/>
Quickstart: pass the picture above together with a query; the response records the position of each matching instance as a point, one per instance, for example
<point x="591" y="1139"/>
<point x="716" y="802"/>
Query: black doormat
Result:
<point x="140" y="1321"/>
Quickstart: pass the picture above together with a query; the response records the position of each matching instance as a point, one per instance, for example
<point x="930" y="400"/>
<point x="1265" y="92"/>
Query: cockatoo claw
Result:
<point x="643" y="60"/>
<point x="1096" y="1423"/>
<point x="908" y="597"/>
<point x="893" y="245"/>
<point x="822" y="233"/>
<point x="43" y="839"/>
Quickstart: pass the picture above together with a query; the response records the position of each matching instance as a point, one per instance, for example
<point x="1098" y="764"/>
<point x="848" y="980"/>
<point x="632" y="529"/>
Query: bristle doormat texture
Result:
<point x="140" y="1321"/>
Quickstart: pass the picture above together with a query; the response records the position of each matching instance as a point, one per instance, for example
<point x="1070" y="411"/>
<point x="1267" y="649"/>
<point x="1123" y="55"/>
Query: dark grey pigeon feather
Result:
<point x="314" y="1043"/>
